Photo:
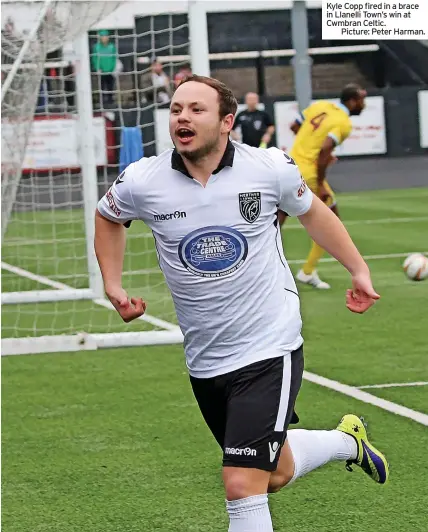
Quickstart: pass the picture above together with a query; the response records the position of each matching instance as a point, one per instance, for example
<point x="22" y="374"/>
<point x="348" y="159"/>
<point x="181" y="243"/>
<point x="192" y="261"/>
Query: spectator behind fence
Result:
<point x="184" y="72"/>
<point x="104" y="58"/>
<point x="156" y="84"/>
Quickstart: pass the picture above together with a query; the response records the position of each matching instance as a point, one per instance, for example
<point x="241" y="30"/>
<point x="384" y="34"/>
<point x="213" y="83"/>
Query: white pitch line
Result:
<point x="145" y="271"/>
<point x="365" y="257"/>
<point x="393" y="385"/>
<point x="350" y="223"/>
<point x="296" y="261"/>
<point x="20" y="241"/>
<point x="368" y="398"/>
<point x="102" y="302"/>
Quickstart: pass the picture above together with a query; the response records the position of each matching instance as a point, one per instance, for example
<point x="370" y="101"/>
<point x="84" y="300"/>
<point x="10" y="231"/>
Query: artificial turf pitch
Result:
<point x="113" y="440"/>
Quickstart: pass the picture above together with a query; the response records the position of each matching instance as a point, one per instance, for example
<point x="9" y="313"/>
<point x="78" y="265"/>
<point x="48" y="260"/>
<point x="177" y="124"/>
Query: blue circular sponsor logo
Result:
<point x="214" y="251"/>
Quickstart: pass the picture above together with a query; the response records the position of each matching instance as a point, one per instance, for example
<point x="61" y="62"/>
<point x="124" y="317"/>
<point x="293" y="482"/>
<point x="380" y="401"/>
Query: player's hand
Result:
<point x="128" y="309"/>
<point x="323" y="193"/>
<point x="333" y="159"/>
<point x="363" y="295"/>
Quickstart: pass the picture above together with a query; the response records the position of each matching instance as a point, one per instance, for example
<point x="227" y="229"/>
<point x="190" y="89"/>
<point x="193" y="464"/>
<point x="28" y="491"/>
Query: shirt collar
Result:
<point x="344" y="108"/>
<point x="227" y="160"/>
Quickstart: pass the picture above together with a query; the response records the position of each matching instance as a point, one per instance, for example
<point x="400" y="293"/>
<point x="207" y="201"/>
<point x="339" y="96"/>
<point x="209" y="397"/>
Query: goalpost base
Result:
<point x="87" y="342"/>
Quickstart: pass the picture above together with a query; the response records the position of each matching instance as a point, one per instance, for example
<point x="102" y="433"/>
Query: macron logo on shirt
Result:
<point x="171" y="216"/>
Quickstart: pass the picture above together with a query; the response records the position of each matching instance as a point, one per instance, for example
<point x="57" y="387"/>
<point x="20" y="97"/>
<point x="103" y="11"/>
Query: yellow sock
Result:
<point x="314" y="256"/>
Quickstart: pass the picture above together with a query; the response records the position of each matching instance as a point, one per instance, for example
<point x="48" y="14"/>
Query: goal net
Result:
<point x="73" y="117"/>
<point x="29" y="31"/>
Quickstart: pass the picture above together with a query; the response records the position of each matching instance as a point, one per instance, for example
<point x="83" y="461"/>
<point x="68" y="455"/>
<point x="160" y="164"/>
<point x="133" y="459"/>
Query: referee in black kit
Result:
<point x="256" y="125"/>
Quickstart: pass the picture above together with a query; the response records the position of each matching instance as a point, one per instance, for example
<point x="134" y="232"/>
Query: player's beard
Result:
<point x="355" y="112"/>
<point x="201" y="152"/>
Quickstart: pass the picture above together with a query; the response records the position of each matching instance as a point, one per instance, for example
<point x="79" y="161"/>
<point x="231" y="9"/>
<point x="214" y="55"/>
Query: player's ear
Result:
<point x="227" y="123"/>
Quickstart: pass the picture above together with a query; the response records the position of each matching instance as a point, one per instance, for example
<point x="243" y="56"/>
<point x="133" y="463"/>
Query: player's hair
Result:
<point x="350" y="92"/>
<point x="227" y="101"/>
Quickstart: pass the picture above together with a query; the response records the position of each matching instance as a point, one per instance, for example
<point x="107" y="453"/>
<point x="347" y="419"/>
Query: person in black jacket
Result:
<point x="256" y="125"/>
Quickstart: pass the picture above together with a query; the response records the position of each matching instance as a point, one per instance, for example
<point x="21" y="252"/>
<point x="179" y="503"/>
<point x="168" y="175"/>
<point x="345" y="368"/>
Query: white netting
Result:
<point x="30" y="30"/>
<point x="44" y="247"/>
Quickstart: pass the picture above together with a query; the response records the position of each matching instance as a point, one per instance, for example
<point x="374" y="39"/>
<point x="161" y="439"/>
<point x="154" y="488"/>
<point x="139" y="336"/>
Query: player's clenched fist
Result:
<point x="363" y="295"/>
<point x="129" y="309"/>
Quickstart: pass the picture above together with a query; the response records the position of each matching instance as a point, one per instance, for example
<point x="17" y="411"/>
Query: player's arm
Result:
<point x="110" y="241"/>
<point x="297" y="124"/>
<point x="325" y="157"/>
<point x="335" y="137"/>
<point x="115" y="210"/>
<point x="326" y="229"/>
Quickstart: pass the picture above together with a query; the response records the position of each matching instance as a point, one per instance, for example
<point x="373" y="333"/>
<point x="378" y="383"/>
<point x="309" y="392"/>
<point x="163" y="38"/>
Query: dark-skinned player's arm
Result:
<point x="295" y="126"/>
<point x="335" y="137"/>
<point x="325" y="159"/>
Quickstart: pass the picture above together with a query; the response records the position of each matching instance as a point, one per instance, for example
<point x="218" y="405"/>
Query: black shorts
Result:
<point x="249" y="410"/>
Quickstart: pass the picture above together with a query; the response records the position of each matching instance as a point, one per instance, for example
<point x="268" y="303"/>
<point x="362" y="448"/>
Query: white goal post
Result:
<point x="61" y="154"/>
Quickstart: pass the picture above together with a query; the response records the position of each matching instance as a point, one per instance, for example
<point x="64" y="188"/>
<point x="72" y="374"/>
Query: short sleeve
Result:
<point x="340" y="132"/>
<point x="301" y="117"/>
<point x="117" y="204"/>
<point x="295" y="197"/>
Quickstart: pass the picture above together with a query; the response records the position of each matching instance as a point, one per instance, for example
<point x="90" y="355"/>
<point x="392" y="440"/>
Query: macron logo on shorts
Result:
<point x="246" y="452"/>
<point x="273" y="449"/>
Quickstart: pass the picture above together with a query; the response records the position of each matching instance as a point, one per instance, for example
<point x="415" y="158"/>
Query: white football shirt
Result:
<point x="220" y="250"/>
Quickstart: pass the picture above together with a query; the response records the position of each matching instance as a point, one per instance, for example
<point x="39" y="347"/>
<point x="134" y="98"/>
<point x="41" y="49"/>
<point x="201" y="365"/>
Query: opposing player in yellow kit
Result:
<point x="319" y="129"/>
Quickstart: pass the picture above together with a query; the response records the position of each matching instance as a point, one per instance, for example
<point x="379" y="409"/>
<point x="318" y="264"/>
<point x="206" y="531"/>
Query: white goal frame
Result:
<point x="171" y="333"/>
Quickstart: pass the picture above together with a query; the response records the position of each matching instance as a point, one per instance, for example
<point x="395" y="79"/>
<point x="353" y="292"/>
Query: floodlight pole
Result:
<point x="302" y="62"/>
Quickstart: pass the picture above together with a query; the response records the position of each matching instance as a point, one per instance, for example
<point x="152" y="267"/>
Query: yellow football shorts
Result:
<point x="309" y="174"/>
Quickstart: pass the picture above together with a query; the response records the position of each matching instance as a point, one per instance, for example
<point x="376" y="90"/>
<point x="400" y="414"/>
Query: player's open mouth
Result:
<point x="185" y="135"/>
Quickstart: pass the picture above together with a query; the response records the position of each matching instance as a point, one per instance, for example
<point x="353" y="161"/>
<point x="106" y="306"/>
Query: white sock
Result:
<point x="314" y="448"/>
<point x="250" y="514"/>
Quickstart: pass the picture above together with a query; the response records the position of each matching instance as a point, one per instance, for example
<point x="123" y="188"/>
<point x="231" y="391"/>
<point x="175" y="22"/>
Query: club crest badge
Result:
<point x="250" y="206"/>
